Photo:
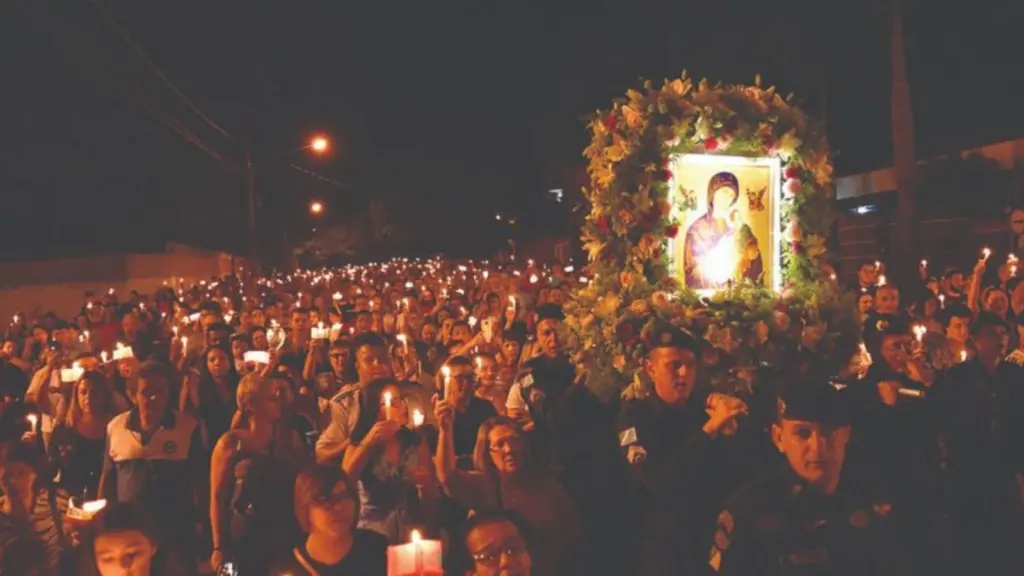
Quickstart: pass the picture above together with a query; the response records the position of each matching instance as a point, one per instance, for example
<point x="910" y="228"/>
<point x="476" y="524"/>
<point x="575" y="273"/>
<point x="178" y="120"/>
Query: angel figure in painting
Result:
<point x="719" y="246"/>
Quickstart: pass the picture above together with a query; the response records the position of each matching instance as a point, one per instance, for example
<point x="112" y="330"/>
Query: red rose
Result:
<point x="610" y="122"/>
<point x="663" y="175"/>
<point x="671" y="231"/>
<point x="792" y="172"/>
<point x="796" y="248"/>
<point x="710" y="144"/>
<point x="602" y="224"/>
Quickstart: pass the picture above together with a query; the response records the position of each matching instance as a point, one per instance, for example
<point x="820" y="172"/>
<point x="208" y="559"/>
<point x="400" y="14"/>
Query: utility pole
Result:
<point x="904" y="153"/>
<point x="250" y="186"/>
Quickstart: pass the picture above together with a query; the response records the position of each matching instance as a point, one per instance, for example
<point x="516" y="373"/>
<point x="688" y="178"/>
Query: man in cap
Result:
<point x="801" y="519"/>
<point x="677" y="446"/>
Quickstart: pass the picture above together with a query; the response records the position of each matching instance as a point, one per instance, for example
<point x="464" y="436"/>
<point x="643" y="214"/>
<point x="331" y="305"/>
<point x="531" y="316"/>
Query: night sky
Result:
<point x="452" y="109"/>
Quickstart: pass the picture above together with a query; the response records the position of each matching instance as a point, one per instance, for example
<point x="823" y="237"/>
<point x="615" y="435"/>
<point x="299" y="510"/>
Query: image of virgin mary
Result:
<point x="718" y="246"/>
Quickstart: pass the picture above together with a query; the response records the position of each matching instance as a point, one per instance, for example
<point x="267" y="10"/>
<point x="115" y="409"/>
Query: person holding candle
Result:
<point x="76" y="446"/>
<point x="326" y="505"/>
<point x="391" y="462"/>
<point x="210" y="393"/>
<point x="507" y="477"/>
<point x="457" y="382"/>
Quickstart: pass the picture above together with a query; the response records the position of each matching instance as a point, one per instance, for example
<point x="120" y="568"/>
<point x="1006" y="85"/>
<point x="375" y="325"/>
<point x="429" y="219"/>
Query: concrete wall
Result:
<point x="60" y="285"/>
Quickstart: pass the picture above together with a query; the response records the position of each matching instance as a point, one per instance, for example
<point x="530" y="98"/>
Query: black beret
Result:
<point x="550" y="312"/>
<point x="816" y="398"/>
<point x="666" y="335"/>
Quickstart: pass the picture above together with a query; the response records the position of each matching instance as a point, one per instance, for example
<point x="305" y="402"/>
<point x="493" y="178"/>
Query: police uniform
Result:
<point x="779" y="526"/>
<point x="682" y="474"/>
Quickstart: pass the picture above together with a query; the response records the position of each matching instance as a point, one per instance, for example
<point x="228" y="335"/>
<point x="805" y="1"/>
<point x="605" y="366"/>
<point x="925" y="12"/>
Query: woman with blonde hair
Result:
<point x="252" y="466"/>
<point x="507" y="477"/>
<point x="77" y="444"/>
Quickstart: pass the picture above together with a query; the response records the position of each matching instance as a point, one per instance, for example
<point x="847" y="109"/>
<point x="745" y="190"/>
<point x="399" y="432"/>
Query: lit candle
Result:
<point x="417" y="418"/>
<point x="942" y="300"/>
<point x="184" y="344"/>
<point x="405" y="342"/>
<point x="32" y="420"/>
<point x="924" y="264"/>
<point x="985" y="253"/>
<point x="533" y="278"/>
<point x="103" y="356"/>
<point x="81" y="516"/>
<point x="387" y="405"/>
<point x="919" y="332"/>
<point x="881" y="280"/>
<point x="417" y="558"/>
<point x="963" y="355"/>
<point x="446" y="372"/>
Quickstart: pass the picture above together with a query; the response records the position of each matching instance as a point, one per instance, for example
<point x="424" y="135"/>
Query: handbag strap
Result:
<point x="305" y="564"/>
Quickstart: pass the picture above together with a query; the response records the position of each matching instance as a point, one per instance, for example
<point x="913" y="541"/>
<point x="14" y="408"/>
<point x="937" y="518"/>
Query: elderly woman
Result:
<point x="506" y="477"/>
<point x="327" y="509"/>
<point x="251" y="467"/>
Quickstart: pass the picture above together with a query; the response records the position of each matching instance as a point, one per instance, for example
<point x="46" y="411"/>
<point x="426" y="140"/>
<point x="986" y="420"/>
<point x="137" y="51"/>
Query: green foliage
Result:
<point x="631" y="222"/>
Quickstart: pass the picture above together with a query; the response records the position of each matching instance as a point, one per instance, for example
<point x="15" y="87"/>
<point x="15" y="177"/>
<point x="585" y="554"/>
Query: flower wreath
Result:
<point x="748" y="327"/>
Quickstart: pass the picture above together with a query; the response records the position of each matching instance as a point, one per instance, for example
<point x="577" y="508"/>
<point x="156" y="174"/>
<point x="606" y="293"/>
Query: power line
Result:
<point x="320" y="177"/>
<point x="109" y="18"/>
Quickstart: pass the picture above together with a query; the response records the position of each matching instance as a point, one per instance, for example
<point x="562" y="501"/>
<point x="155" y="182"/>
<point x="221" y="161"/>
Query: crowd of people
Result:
<point x="314" y="423"/>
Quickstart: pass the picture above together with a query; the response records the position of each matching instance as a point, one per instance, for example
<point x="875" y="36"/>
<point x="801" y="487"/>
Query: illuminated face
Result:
<point x="992" y="342"/>
<point x="259" y="340"/>
<point x="887" y="300"/>
<point x="507" y="449"/>
<point x="17" y="479"/>
<point x="958" y="329"/>
<point x="399" y="405"/>
<point x="461" y="333"/>
<point x="510" y="351"/>
<point x="673" y="371"/>
<point x="372" y="362"/>
<point x="334" y="513"/>
<point x="429" y="333"/>
<point x="867" y="275"/>
<point x="300" y="323"/>
<point x="84" y="393"/>
<point x="486" y="370"/>
<point x="547" y="337"/>
<point x="151" y="396"/>
<point x="896" y="350"/>
<point x="865" y="303"/>
<point x="338" y="357"/>
<point x="239" y="348"/>
<point x="363" y="323"/>
<point x="722" y="200"/>
<point x="123" y="553"/>
<point x="218" y="362"/>
<point x="498" y="549"/>
<point x="258" y="318"/>
<point x="816" y="452"/>
<point x="459" y="384"/>
<point x="997" y="302"/>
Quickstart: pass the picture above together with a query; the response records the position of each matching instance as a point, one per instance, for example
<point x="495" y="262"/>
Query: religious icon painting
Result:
<point x="729" y="230"/>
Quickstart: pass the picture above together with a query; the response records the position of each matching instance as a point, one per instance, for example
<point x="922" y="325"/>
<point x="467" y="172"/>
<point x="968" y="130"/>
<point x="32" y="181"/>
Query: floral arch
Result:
<point x="641" y="271"/>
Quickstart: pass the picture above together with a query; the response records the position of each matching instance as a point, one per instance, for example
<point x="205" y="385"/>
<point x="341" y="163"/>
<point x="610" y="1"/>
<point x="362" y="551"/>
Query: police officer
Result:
<point x="683" y="453"/>
<point x="801" y="519"/>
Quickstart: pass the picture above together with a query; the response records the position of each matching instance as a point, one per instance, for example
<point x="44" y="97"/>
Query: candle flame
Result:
<point x="963" y="355"/>
<point x="387" y="399"/>
<point x="417" y="418"/>
<point x="920" y="331"/>
<point x="94" y="506"/>
<point x="415" y="537"/>
<point x="446" y="372"/>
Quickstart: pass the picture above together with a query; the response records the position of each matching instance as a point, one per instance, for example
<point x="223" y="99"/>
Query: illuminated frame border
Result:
<point x="774" y="234"/>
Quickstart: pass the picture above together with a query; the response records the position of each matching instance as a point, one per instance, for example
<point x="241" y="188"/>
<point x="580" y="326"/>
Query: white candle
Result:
<point x="387" y="405"/>
<point x="920" y="331"/>
<point x="32" y="419"/>
<point x="446" y="372"/>
<point x="417" y="558"/>
<point x="963" y="355"/>
<point x="405" y="342"/>
<point x="417" y="418"/>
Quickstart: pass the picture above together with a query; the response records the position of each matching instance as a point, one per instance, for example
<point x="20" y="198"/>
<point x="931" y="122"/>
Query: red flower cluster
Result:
<point x="711" y="144"/>
<point x="792" y="172"/>
<point x="672" y="230"/>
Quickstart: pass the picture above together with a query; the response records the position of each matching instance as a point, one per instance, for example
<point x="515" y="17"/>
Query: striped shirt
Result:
<point x="33" y="547"/>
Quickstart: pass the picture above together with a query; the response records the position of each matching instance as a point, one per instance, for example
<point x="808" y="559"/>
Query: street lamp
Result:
<point x="319" y="144"/>
<point x="316" y="208"/>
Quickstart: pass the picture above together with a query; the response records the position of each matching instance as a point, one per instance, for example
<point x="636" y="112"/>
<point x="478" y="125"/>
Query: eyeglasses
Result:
<point x="492" y="557"/>
<point x="334" y="498"/>
<point x="501" y="444"/>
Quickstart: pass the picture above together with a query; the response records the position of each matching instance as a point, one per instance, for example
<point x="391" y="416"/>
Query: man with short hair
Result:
<point x="799" y="518"/>
<point x="154" y="456"/>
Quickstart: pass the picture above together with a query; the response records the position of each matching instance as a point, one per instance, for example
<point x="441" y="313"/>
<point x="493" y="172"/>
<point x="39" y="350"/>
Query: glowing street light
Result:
<point x="319" y="144"/>
<point x="316" y="207"/>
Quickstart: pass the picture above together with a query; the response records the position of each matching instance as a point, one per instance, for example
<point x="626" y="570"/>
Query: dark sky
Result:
<point x="454" y="109"/>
